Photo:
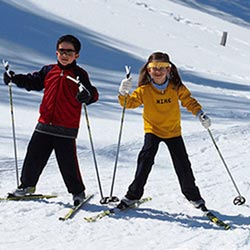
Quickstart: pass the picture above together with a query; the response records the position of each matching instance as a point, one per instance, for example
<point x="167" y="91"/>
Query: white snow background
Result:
<point x="115" y="33"/>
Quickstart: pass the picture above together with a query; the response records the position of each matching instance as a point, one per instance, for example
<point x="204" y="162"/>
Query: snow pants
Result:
<point x="39" y="150"/>
<point x="180" y="161"/>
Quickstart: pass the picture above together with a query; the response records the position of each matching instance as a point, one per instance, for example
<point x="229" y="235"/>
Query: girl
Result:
<point x="159" y="90"/>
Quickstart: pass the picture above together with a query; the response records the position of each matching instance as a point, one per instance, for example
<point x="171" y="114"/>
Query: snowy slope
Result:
<point x="115" y="33"/>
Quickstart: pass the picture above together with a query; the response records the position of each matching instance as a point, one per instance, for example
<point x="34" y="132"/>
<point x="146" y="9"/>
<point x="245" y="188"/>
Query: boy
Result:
<point x="59" y="120"/>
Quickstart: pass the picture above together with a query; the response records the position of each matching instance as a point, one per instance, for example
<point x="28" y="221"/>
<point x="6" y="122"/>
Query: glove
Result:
<point x="204" y="119"/>
<point x="125" y="86"/>
<point x="7" y="78"/>
<point x="84" y="96"/>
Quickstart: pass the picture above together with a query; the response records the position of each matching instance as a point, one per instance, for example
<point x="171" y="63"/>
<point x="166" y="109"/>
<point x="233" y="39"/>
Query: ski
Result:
<point x="72" y="211"/>
<point x="12" y="197"/>
<point x="214" y="219"/>
<point x="114" y="210"/>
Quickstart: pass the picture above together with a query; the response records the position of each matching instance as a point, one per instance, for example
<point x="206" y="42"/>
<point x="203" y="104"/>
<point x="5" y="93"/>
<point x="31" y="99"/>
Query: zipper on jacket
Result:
<point x="55" y="99"/>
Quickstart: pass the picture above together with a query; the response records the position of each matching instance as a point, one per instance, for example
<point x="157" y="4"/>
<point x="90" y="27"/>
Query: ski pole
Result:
<point x="112" y="198"/>
<point x="239" y="200"/>
<point x="93" y="152"/>
<point x="7" y="69"/>
<point x="77" y="81"/>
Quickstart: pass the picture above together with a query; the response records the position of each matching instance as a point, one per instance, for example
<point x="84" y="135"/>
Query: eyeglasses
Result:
<point x="67" y="52"/>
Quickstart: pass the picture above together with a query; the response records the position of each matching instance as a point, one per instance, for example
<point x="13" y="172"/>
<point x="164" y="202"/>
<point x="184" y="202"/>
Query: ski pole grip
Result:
<point x="7" y="68"/>
<point x="80" y="85"/>
<point x="128" y="71"/>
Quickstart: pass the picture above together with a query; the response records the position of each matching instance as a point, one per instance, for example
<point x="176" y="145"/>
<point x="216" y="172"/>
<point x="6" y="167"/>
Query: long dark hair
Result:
<point x="144" y="77"/>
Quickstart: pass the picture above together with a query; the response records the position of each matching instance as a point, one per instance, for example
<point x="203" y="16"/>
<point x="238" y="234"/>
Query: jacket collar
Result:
<point x="69" y="66"/>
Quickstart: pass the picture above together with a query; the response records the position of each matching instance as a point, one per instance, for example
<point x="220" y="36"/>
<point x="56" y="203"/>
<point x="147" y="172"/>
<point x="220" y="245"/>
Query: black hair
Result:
<point x="70" y="39"/>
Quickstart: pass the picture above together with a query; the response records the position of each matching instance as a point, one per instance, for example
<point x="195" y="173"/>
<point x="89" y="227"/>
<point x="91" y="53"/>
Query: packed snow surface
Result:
<point x="115" y="33"/>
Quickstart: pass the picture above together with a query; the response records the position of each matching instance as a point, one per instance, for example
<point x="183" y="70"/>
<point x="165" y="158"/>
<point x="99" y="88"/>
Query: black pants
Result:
<point x="39" y="150"/>
<point x="181" y="164"/>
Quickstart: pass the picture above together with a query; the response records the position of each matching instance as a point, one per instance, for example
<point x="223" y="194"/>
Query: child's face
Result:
<point x="66" y="53"/>
<point x="159" y="74"/>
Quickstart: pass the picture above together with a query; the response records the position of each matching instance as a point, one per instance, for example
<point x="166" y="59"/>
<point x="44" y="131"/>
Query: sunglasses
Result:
<point x="67" y="52"/>
<point x="161" y="69"/>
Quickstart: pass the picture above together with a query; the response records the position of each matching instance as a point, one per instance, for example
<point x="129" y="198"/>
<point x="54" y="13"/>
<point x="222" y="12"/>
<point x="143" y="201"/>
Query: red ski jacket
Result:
<point x="59" y="105"/>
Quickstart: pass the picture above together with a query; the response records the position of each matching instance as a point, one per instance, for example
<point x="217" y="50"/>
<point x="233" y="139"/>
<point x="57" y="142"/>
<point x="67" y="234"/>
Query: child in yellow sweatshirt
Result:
<point x="160" y="90"/>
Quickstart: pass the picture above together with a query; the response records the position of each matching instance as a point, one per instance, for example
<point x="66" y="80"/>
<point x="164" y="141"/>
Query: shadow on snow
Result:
<point x="183" y="219"/>
<point x="29" y="32"/>
<point x="224" y="9"/>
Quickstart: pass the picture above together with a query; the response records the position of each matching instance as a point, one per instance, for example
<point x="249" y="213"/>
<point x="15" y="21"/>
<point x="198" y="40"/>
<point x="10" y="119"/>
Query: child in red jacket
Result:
<point x="60" y="113"/>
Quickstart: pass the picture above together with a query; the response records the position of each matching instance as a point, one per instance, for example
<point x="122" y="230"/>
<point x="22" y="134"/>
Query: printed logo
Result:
<point x="163" y="101"/>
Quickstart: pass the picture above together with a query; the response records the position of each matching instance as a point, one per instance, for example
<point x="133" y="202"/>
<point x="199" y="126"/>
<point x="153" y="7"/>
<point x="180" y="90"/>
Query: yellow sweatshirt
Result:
<point x="161" y="112"/>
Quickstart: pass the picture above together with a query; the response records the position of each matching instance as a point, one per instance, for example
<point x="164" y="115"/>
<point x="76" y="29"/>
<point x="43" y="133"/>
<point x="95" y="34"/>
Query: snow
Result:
<point x="115" y="33"/>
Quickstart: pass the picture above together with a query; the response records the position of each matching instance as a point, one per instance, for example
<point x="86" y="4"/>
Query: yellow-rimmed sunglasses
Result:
<point x="159" y="65"/>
